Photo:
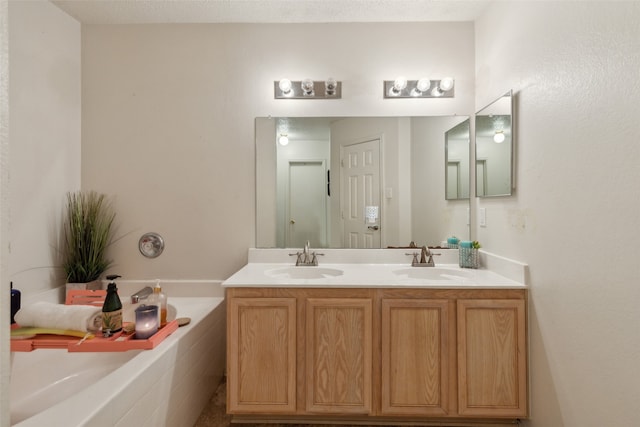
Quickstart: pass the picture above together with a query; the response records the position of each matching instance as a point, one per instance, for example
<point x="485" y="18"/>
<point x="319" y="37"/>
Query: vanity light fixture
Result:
<point x="499" y="137"/>
<point x="403" y="88"/>
<point x="307" y="89"/>
<point x="283" y="139"/>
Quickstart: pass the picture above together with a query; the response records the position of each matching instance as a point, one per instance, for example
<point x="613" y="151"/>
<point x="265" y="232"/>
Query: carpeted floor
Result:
<point x="214" y="414"/>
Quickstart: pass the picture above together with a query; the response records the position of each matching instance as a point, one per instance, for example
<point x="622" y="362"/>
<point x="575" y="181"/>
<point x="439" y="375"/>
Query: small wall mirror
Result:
<point x="495" y="148"/>
<point x="456" y="161"/>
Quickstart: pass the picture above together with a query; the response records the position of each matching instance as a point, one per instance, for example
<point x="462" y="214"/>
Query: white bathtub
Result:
<point x="166" y="386"/>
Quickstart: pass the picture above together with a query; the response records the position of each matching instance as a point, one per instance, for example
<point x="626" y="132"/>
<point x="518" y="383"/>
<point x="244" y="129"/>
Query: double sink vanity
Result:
<point x="364" y="337"/>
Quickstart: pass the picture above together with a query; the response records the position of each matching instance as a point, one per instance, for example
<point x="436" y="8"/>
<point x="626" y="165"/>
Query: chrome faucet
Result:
<point x="306" y="257"/>
<point x="426" y="258"/>
<point x="141" y="294"/>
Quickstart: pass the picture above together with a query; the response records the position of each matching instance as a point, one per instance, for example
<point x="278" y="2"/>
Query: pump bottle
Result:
<point x="112" y="308"/>
<point x="15" y="303"/>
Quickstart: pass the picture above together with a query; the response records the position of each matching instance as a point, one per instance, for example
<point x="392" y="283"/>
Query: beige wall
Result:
<point x="44" y="122"/>
<point x="168" y="119"/>
<point x="4" y="210"/>
<point x="40" y="155"/>
<point x="574" y="218"/>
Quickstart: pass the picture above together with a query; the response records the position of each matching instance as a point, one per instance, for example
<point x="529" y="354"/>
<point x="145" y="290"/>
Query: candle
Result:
<point x="146" y="321"/>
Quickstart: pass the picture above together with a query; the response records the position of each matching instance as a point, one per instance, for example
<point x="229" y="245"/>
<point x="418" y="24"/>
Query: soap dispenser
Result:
<point x="112" y="308"/>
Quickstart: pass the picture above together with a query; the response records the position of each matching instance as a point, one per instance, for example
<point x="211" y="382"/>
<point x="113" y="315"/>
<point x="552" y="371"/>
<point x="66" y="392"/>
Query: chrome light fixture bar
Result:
<point x="422" y="88"/>
<point x="307" y="89"/>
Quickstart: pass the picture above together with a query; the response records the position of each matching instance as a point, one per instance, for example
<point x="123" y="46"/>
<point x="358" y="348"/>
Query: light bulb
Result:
<point x="423" y="84"/>
<point x="283" y="140"/>
<point x="307" y="87"/>
<point x="446" y="84"/>
<point x="285" y="86"/>
<point x="436" y="91"/>
<point x="399" y="84"/>
<point x="499" y="137"/>
<point x="330" y="86"/>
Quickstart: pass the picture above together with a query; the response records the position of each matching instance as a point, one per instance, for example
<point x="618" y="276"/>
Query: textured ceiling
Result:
<point x="270" y="11"/>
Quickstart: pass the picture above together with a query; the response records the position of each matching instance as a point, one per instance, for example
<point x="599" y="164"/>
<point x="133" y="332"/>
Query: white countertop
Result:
<point x="368" y="275"/>
<point x="382" y="268"/>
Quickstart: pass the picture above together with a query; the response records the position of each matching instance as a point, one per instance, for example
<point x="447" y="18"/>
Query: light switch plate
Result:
<point x="483" y="217"/>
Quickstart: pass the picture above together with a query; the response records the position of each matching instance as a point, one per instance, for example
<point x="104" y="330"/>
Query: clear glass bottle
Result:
<point x="112" y="308"/>
<point x="161" y="300"/>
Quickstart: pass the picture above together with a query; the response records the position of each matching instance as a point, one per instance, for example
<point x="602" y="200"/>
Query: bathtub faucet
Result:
<point x="141" y="294"/>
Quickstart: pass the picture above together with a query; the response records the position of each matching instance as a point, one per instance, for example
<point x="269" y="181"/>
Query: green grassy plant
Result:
<point x="87" y="235"/>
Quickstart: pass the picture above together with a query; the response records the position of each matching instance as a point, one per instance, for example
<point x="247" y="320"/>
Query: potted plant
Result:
<point x="88" y="232"/>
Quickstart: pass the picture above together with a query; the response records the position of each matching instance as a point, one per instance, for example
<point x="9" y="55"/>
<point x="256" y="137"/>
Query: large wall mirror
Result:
<point x="456" y="159"/>
<point x="359" y="182"/>
<point x="495" y="148"/>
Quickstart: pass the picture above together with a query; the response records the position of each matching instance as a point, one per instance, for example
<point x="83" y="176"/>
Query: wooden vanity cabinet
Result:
<point x="410" y="355"/>
<point x="416" y="356"/>
<point x="492" y="357"/>
<point x="261" y="355"/>
<point x="299" y="351"/>
<point x="339" y="355"/>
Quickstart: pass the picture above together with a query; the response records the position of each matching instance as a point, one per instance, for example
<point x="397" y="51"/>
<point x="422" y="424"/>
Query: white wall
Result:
<point x="40" y="155"/>
<point x="574" y="218"/>
<point x="168" y="119"/>
<point x="4" y="210"/>
<point x="44" y="122"/>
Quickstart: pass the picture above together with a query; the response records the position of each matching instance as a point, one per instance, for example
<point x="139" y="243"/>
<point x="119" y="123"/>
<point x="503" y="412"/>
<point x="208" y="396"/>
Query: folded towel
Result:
<point x="83" y="318"/>
<point x="466" y="244"/>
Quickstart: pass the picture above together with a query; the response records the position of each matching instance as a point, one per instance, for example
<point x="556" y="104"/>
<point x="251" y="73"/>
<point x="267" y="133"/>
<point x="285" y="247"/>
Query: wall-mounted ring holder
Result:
<point x="151" y="245"/>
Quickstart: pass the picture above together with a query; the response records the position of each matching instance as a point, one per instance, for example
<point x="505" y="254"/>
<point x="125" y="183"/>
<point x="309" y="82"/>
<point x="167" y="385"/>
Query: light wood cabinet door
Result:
<point x="416" y="354"/>
<point x="338" y="355"/>
<point x="492" y="361"/>
<point x="262" y="355"/>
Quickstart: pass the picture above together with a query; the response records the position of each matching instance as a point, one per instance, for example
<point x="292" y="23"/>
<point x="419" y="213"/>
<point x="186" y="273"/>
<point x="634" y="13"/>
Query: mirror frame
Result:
<point x="512" y="143"/>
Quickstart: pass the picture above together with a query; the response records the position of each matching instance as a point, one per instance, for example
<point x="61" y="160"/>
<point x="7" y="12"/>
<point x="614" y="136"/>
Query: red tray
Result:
<point x="117" y="342"/>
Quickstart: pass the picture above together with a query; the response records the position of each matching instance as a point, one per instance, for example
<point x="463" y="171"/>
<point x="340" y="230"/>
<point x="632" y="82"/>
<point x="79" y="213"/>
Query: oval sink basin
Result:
<point x="434" y="273"/>
<point x="303" y="273"/>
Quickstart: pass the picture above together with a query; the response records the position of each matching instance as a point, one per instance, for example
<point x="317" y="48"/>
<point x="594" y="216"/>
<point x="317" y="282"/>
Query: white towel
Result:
<point x="83" y="318"/>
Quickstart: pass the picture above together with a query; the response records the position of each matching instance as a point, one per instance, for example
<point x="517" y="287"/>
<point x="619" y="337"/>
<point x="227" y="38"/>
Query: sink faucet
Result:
<point x="141" y="294"/>
<point x="306" y="257"/>
<point x="426" y="258"/>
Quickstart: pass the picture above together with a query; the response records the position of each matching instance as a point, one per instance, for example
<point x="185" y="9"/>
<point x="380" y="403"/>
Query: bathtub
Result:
<point x="166" y="386"/>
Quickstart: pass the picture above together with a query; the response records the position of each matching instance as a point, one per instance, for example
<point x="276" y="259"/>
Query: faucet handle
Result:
<point x="415" y="258"/>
